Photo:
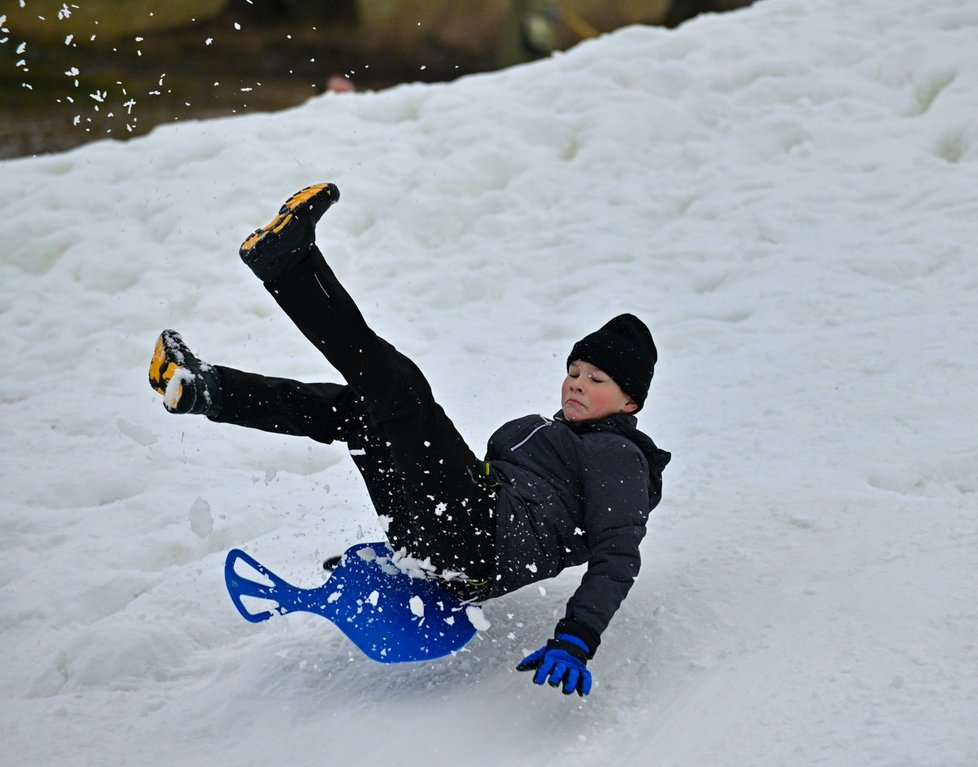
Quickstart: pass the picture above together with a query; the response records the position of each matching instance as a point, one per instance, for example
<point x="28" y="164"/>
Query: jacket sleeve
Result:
<point x="617" y="507"/>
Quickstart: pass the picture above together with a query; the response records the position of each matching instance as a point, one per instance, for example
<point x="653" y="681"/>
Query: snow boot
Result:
<point x="187" y="384"/>
<point x="286" y="240"/>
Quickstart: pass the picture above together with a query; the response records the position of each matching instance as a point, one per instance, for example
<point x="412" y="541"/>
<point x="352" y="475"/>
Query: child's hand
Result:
<point x="562" y="661"/>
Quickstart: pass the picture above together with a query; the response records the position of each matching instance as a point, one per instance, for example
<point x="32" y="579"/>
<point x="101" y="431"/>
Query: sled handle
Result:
<point x="283" y="593"/>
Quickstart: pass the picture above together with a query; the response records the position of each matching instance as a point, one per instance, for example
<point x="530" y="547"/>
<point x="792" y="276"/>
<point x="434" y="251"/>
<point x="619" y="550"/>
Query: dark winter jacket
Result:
<point x="569" y="494"/>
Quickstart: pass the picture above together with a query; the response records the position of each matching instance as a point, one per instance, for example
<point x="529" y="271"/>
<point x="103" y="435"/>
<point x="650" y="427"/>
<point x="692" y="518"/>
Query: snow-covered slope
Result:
<point x="787" y="194"/>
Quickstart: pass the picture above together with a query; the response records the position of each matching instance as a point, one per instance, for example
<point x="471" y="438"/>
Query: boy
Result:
<point x="552" y="492"/>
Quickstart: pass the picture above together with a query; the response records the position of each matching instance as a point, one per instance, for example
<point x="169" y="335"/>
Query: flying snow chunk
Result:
<point x="367" y="554"/>
<point x="477" y="618"/>
<point x="417" y="606"/>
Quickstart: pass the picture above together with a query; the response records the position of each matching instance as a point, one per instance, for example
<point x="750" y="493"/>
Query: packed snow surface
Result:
<point x="786" y="194"/>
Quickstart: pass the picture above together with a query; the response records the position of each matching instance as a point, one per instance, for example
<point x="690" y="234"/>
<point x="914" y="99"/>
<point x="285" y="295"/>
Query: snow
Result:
<point x="785" y="193"/>
<point x="416" y="605"/>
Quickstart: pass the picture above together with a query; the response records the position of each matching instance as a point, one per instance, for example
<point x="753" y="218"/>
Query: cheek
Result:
<point x="599" y="399"/>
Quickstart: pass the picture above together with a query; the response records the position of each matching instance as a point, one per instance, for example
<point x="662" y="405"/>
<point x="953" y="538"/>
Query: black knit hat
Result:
<point x="624" y="349"/>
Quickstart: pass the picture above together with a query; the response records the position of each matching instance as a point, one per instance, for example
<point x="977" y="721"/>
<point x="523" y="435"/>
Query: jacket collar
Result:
<point x="626" y="425"/>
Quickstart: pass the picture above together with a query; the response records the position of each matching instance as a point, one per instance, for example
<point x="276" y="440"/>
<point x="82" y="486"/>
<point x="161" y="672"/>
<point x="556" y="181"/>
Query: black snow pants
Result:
<point x="418" y="470"/>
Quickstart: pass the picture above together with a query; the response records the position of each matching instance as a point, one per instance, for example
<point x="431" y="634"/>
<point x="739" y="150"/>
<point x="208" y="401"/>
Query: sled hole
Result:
<point x="248" y="572"/>
<point x="259" y="605"/>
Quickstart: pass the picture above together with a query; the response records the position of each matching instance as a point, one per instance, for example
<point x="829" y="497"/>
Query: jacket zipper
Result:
<point x="546" y="422"/>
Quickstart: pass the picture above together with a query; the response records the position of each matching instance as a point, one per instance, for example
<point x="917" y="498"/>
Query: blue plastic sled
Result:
<point x="390" y="616"/>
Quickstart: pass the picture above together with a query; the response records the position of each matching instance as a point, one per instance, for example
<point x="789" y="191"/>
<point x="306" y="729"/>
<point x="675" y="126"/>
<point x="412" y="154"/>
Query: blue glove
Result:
<point x="562" y="661"/>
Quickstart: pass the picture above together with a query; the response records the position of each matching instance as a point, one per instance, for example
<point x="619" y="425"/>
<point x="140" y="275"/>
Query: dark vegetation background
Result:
<point x="92" y="69"/>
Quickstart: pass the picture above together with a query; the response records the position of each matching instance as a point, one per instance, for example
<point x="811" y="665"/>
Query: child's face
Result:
<point x="588" y="393"/>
